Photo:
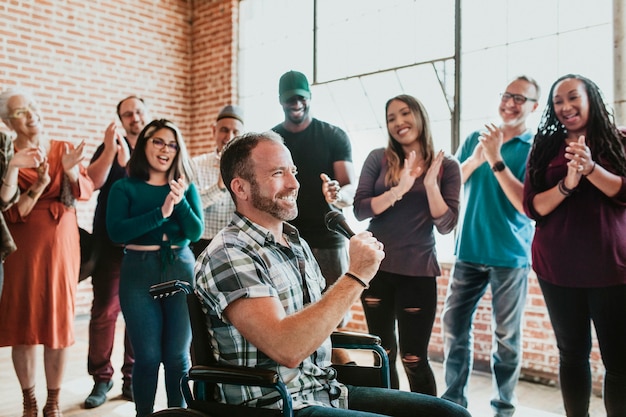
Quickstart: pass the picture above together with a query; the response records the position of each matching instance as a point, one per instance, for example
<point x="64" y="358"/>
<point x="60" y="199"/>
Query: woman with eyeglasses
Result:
<point x="156" y="212"/>
<point x="43" y="179"/>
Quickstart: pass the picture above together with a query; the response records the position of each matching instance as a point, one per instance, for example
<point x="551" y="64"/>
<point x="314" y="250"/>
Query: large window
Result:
<point x="360" y="53"/>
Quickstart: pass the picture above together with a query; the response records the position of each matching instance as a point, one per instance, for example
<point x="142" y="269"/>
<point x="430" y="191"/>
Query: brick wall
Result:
<point x="81" y="57"/>
<point x="214" y="65"/>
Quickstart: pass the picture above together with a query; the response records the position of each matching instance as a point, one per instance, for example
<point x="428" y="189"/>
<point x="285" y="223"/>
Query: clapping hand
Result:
<point x="43" y="175"/>
<point x="412" y="170"/>
<point x="580" y="162"/>
<point x="491" y="141"/>
<point x="430" y="179"/>
<point x="114" y="140"/>
<point x="70" y="160"/>
<point x="27" y="158"/>
<point x="176" y="194"/>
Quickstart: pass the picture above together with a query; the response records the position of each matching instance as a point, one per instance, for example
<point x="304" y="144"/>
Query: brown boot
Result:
<point x="52" y="404"/>
<point x="30" y="402"/>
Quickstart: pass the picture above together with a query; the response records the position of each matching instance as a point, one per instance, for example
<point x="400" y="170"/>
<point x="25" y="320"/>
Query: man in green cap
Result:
<point x="323" y="155"/>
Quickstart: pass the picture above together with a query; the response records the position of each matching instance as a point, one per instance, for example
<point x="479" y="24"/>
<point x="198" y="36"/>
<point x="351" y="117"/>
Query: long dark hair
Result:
<point x="138" y="166"/>
<point x="394" y="152"/>
<point x="602" y="136"/>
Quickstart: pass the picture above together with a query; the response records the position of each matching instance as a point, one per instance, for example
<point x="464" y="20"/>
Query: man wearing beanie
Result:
<point x="323" y="155"/>
<point x="216" y="201"/>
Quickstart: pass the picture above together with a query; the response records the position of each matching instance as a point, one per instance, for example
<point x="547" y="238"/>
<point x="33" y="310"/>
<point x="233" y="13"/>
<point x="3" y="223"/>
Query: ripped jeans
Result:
<point x="412" y="302"/>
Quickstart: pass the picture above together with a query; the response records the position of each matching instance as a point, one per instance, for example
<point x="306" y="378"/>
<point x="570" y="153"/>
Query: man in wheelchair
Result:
<point x="262" y="290"/>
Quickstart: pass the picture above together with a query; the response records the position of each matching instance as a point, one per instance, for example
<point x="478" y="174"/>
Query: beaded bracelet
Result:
<point x="357" y="279"/>
<point x="563" y="189"/>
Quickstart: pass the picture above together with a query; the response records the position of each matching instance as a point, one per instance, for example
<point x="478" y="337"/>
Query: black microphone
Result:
<point x="336" y="222"/>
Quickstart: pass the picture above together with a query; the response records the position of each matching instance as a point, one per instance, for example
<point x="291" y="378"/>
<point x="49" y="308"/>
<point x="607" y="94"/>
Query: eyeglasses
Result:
<point x="22" y="112"/>
<point x="517" y="98"/>
<point x="160" y="144"/>
<point x="129" y="114"/>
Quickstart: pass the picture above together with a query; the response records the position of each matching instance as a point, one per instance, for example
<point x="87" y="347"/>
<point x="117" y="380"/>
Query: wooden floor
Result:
<point x="534" y="400"/>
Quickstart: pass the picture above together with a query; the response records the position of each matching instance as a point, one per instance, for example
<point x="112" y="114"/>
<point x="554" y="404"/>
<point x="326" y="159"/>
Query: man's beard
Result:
<point x="270" y="206"/>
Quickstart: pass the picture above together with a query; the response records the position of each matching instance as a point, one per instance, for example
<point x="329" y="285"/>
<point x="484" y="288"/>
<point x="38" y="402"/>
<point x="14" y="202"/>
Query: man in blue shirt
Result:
<point x="493" y="248"/>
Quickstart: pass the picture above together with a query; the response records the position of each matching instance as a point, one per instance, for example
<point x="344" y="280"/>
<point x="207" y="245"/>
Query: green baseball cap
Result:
<point x="293" y="83"/>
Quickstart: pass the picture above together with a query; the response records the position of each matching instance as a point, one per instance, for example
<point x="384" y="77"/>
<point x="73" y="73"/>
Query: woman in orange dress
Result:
<point x="37" y="303"/>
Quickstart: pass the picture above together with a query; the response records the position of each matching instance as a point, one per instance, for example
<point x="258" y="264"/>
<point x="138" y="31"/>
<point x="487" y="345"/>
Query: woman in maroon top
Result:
<point x="575" y="189"/>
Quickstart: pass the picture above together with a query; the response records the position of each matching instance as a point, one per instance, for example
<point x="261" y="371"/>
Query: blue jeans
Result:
<point x="412" y="302"/>
<point x="371" y="402"/>
<point x="468" y="283"/>
<point x="159" y="330"/>
<point x="571" y="312"/>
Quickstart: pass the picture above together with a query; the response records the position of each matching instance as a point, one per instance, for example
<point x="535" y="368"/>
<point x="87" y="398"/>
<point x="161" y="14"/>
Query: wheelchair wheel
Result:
<point x="179" y="412"/>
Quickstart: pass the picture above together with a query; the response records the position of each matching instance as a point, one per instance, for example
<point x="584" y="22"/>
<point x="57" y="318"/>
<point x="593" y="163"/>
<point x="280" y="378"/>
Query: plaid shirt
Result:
<point x="217" y="204"/>
<point x="245" y="261"/>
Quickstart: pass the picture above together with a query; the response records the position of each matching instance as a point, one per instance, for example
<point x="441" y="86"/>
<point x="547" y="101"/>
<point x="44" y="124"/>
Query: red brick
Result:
<point x="81" y="58"/>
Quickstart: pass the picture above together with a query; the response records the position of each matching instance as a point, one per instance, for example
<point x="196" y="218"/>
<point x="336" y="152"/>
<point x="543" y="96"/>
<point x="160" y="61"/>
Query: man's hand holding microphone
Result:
<point x="366" y="252"/>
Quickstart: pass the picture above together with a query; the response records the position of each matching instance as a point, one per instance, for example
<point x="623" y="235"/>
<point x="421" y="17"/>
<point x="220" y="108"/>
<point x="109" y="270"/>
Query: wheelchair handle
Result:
<point x="168" y="288"/>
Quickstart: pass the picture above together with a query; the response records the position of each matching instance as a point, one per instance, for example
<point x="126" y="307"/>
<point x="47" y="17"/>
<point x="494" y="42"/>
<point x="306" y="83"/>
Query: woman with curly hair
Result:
<point x="575" y="190"/>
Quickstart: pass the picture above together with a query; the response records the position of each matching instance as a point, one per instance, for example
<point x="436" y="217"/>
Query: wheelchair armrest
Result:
<point x="235" y="375"/>
<point x="239" y="375"/>
<point x="168" y="288"/>
<point x="364" y="341"/>
<point x="351" y="340"/>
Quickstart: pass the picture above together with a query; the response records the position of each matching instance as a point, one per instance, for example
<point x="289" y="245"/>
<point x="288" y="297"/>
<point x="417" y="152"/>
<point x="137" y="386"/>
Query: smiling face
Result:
<point x="133" y="115"/>
<point x="515" y="114"/>
<point x="571" y="106"/>
<point x="274" y="188"/>
<point x="296" y="109"/>
<point x="225" y="130"/>
<point x="24" y="117"/>
<point x="402" y="124"/>
<point x="161" y="151"/>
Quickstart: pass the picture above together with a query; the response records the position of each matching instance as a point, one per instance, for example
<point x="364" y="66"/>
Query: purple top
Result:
<point x="406" y="229"/>
<point x="582" y="242"/>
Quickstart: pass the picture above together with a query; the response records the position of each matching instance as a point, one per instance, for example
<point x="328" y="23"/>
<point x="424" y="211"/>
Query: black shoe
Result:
<point x="98" y="394"/>
<point x="127" y="391"/>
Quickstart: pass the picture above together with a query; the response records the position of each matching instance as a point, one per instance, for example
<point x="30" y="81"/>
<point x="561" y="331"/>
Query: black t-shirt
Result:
<point x="117" y="172"/>
<point x="314" y="150"/>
